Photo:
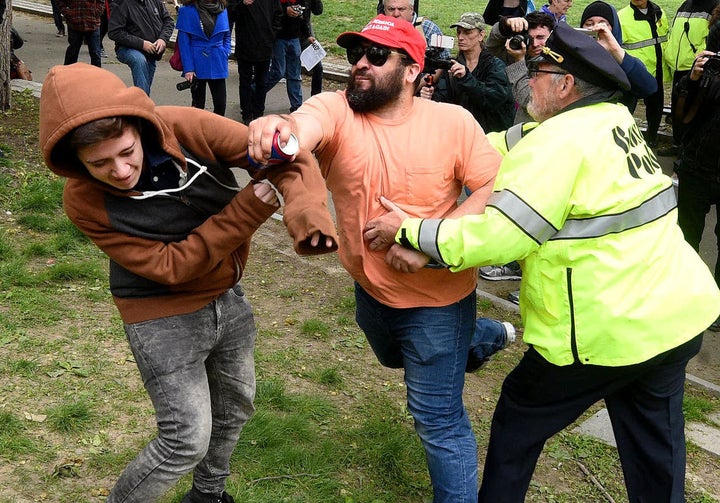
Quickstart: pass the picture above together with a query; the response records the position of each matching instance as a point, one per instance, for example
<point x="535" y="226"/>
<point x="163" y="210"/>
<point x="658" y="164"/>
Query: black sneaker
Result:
<point x="514" y="297"/>
<point x="507" y="272"/>
<point x="195" y="496"/>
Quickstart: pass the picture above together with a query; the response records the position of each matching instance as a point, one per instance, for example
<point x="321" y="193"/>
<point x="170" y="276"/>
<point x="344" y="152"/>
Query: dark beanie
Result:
<point x="582" y="56"/>
<point x="597" y="8"/>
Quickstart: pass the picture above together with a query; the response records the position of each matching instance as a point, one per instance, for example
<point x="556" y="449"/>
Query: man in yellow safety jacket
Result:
<point x="645" y="32"/>
<point x="614" y="301"/>
<point x="687" y="37"/>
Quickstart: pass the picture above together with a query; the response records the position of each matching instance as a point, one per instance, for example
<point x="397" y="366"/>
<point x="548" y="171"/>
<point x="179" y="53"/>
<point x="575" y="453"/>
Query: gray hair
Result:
<point x="583" y="87"/>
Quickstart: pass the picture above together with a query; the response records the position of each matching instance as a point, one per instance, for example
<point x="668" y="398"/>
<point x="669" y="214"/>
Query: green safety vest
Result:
<point x="581" y="202"/>
<point x="688" y="36"/>
<point x="639" y="39"/>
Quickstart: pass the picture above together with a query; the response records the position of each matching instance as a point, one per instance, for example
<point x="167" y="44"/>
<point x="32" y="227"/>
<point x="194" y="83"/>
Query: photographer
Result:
<point x="698" y="166"/>
<point x="514" y="40"/>
<point x="476" y="80"/>
<point x="602" y="19"/>
<point x="405" y="9"/>
<point x="286" y="51"/>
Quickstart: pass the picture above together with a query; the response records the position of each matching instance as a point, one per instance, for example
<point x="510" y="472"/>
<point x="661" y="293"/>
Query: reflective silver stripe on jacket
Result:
<point x="693" y="15"/>
<point x="654" y="208"/>
<point x="427" y="239"/>
<point x="523" y="215"/>
<point x="513" y="135"/>
<point x="540" y="230"/>
<point x="645" y="43"/>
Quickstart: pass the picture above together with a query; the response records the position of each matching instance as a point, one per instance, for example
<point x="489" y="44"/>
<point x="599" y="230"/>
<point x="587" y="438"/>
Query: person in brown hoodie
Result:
<point x="151" y="187"/>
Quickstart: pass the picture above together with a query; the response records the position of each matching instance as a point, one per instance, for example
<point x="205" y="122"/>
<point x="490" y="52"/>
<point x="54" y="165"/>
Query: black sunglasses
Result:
<point x="376" y="55"/>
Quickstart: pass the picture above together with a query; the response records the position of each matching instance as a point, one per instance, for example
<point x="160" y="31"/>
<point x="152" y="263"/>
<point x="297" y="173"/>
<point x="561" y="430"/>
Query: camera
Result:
<point x="434" y="62"/>
<point x="433" y="54"/>
<point x="516" y="41"/>
<point x="185" y="84"/>
<point x="711" y="68"/>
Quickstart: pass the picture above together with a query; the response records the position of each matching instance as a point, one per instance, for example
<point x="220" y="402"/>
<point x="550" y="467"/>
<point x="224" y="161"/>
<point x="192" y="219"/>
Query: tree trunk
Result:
<point x="5" y="23"/>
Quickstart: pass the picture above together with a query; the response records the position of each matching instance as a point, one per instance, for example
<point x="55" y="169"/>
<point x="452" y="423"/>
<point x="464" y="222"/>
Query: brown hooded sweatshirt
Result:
<point x="172" y="250"/>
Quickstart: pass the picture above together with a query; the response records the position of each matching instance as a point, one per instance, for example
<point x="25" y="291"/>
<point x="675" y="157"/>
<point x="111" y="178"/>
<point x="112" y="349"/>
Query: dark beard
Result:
<point x="378" y="95"/>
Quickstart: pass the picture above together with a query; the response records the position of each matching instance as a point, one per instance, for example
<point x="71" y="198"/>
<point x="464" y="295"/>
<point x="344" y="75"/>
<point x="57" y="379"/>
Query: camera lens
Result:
<point x="516" y="42"/>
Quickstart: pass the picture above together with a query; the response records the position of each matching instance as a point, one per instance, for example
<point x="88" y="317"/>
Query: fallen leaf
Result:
<point x="36" y="418"/>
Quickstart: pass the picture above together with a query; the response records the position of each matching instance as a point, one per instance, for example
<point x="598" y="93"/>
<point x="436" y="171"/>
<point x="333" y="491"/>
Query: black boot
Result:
<point x="195" y="496"/>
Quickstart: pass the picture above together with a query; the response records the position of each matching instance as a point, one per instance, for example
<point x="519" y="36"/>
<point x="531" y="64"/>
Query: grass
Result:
<point x="70" y="417"/>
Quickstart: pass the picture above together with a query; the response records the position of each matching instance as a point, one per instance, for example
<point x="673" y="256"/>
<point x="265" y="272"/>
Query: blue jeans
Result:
<point x="199" y="371"/>
<point x="286" y="63"/>
<point x="488" y="339"/>
<point x="75" y="42"/>
<point x="431" y="345"/>
<point x="143" y="69"/>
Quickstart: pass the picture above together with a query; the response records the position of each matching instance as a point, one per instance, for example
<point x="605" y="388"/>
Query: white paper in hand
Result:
<point x="312" y="54"/>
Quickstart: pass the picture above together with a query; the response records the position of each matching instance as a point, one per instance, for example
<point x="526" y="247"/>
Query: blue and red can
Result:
<point x="279" y="154"/>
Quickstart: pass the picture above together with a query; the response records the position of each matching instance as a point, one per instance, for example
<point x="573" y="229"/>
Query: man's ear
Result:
<point x="412" y="72"/>
<point x="567" y="85"/>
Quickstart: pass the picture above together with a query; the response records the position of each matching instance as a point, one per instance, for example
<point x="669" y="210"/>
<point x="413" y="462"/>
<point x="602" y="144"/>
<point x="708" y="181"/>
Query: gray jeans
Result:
<point x="199" y="371"/>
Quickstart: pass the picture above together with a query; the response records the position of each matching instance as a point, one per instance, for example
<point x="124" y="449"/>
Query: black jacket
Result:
<point x="293" y="27"/>
<point x="494" y="10"/>
<point x="134" y="21"/>
<point x="315" y="8"/>
<point x="700" y="150"/>
<point x="256" y="26"/>
<point x="485" y="92"/>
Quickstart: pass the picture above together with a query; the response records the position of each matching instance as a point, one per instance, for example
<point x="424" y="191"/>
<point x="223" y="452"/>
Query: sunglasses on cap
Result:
<point x="376" y="55"/>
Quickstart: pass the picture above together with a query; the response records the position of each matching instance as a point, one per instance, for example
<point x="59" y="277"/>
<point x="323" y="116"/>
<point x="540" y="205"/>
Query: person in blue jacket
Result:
<point x="204" y="42"/>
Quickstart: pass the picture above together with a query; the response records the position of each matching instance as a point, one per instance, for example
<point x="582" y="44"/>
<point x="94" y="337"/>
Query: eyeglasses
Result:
<point x="533" y="72"/>
<point x="375" y="54"/>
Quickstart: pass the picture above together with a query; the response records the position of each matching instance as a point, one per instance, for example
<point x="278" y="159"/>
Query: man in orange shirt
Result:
<point x="375" y="139"/>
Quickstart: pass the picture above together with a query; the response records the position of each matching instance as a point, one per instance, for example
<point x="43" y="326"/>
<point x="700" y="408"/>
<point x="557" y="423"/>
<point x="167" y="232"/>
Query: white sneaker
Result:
<point x="510" y="335"/>
<point x="507" y="272"/>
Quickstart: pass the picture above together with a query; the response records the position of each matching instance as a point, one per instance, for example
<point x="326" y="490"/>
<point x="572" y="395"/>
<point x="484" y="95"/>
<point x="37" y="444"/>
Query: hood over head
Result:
<point x="607" y="12"/>
<point x="76" y="94"/>
<point x="583" y="57"/>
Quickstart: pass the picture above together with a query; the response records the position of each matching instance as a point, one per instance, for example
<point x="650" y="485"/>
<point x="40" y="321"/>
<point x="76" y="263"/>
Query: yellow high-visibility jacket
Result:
<point x="582" y="203"/>
<point x="645" y="35"/>
<point x="688" y="35"/>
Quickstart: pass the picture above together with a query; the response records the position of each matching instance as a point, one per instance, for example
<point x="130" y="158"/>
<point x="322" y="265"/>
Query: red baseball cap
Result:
<point x="390" y="32"/>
